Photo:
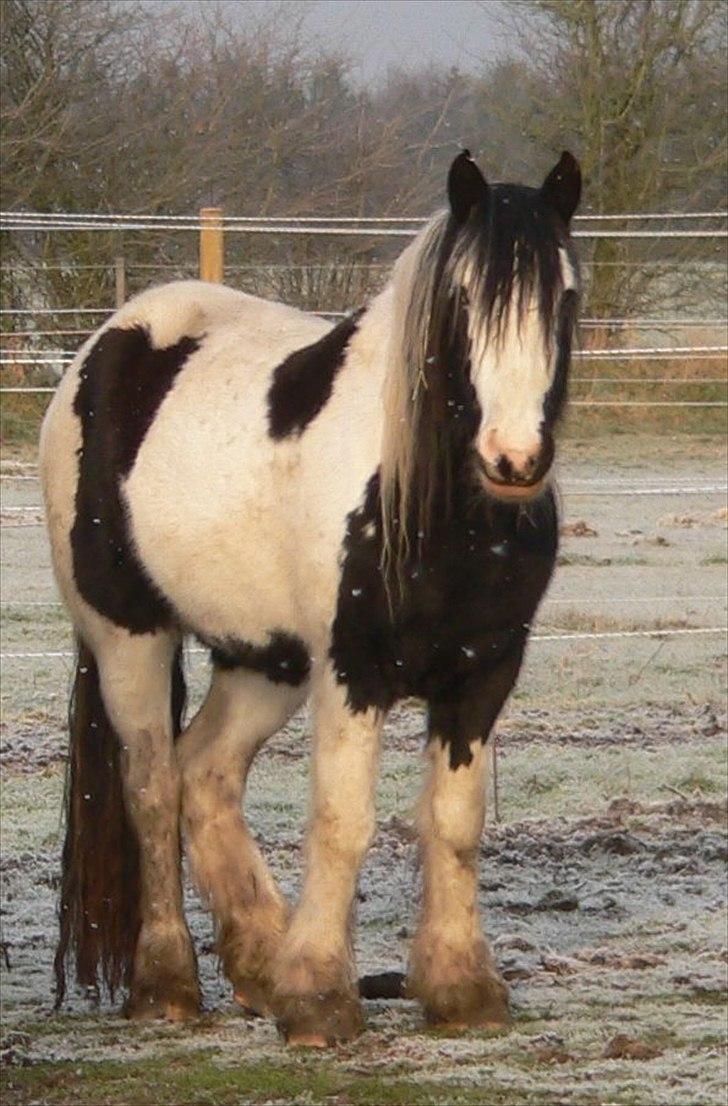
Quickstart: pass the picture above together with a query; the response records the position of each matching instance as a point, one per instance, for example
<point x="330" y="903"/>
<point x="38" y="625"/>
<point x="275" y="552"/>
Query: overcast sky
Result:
<point x="377" y="34"/>
<point x="381" y="33"/>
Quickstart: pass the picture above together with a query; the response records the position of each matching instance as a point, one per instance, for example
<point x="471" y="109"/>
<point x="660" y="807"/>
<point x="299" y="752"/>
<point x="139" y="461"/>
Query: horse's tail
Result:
<point x="99" y="900"/>
<point x="386" y="985"/>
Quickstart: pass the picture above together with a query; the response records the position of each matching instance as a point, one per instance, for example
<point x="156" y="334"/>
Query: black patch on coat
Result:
<point x="284" y="660"/>
<point x="468" y="571"/>
<point x="122" y="383"/>
<point x="303" y="383"/>
<point x="457" y="631"/>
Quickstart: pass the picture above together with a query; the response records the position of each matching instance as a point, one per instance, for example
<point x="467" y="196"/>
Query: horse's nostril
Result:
<point x="520" y="468"/>
<point x="504" y="467"/>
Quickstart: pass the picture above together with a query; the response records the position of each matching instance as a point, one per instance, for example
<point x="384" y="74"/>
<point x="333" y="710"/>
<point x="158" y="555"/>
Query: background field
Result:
<point x="602" y="882"/>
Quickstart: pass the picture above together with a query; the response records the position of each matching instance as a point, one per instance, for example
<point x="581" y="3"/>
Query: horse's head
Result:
<point x="483" y="307"/>
<point x="510" y="264"/>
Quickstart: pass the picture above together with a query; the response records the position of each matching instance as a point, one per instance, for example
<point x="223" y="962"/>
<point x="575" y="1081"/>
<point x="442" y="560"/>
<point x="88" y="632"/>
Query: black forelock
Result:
<point x="515" y="242"/>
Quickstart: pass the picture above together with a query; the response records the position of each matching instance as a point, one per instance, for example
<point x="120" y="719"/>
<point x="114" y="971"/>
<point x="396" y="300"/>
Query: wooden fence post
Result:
<point x="211" y="244"/>
<point x="120" y="279"/>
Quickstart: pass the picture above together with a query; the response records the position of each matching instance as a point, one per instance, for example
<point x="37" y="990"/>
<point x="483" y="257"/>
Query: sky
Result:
<point x="378" y="34"/>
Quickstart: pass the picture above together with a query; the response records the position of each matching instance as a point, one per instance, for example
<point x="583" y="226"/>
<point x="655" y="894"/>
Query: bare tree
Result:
<point x="638" y="87"/>
<point x="108" y="107"/>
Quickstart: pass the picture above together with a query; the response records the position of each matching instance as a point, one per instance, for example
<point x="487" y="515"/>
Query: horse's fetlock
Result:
<point x="248" y="945"/>
<point x="167" y="943"/>
<point x="315" y="1001"/>
<point x="458" y="834"/>
<point x="164" y="980"/>
<point x="457" y="984"/>
<point x="301" y="968"/>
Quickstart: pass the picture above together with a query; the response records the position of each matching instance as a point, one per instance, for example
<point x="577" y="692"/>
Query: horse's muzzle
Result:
<point x="517" y="474"/>
<point x="513" y="492"/>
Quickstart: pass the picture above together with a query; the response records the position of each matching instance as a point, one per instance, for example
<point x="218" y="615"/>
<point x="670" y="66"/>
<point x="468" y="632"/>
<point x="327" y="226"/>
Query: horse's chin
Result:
<point x="514" y="493"/>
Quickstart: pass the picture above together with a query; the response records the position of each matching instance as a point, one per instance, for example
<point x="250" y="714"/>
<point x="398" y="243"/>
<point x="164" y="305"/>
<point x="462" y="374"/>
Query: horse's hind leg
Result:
<point x="136" y="684"/>
<point x="241" y="711"/>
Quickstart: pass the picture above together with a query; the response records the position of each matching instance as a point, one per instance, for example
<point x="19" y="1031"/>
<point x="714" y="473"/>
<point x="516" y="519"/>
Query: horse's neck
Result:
<point x="370" y="349"/>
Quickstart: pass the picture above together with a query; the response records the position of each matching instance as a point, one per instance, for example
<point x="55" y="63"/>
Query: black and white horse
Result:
<point x="350" y="515"/>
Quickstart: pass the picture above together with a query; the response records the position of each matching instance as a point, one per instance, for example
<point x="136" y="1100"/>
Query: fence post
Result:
<point x="211" y="244"/>
<point x="120" y="280"/>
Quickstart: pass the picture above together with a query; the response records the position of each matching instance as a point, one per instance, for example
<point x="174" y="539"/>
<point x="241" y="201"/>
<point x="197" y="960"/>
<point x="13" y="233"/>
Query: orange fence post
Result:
<point x="211" y="244"/>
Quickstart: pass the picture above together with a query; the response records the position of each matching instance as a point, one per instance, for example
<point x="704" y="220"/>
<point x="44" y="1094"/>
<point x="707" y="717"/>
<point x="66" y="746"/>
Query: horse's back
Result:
<point x="157" y="444"/>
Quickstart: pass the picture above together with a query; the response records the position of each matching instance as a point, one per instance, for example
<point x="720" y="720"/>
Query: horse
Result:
<point x="350" y="514"/>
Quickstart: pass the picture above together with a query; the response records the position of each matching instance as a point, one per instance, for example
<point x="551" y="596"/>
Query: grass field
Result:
<point x="602" y="882"/>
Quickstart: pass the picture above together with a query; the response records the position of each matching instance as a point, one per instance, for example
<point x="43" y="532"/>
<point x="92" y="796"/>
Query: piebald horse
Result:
<point x="349" y="515"/>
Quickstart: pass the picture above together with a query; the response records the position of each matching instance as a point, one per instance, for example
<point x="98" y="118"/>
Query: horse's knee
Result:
<point x="345" y="834"/>
<point x="210" y="787"/>
<point x="453" y="805"/>
<point x="454" y="822"/>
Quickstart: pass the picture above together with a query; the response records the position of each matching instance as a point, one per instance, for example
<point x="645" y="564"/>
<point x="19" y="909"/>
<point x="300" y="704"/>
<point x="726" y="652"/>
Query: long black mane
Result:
<point x="467" y="281"/>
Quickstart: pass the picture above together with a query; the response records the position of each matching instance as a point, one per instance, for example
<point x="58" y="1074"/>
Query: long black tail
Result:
<point x="99" y="900"/>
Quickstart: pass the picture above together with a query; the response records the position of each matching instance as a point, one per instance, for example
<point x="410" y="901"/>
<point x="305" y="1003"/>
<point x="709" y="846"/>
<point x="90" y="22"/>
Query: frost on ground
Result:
<point x="603" y="883"/>
<point x="602" y="887"/>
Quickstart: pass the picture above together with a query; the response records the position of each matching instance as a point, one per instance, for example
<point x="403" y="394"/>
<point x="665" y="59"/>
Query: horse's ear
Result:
<point x="562" y="187"/>
<point x="466" y="186"/>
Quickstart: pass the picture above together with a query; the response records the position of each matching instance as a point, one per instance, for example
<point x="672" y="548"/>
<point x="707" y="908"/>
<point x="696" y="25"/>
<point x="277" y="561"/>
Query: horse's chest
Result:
<point x="468" y="613"/>
<point x="467" y="602"/>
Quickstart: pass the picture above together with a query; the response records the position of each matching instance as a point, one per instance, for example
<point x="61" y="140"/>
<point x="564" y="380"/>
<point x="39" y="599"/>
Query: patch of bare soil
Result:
<point x="28" y="745"/>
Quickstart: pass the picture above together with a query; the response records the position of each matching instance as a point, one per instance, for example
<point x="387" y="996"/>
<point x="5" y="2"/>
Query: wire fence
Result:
<point x="385" y="226"/>
<point x="566" y="636"/>
<point x="666" y="610"/>
<point x="698" y="341"/>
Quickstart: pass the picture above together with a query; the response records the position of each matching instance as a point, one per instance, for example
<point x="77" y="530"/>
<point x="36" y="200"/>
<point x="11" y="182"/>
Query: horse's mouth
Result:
<point x="514" y="493"/>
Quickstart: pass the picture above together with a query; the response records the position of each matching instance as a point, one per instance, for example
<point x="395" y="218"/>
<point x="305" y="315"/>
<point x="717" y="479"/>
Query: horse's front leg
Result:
<point x="452" y="971"/>
<point x="315" y="983"/>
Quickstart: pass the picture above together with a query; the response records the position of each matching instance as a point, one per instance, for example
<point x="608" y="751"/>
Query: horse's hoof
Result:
<point x="145" y="1003"/>
<point x="458" y="1027"/>
<point x="319" y="1020"/>
<point x="247" y="947"/>
<point x="175" y="1012"/>
<point x="253" y="998"/>
<point x="490" y="1016"/>
<point x="480" y="1003"/>
<point x="164" y="1011"/>
<point x="307" y="1040"/>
